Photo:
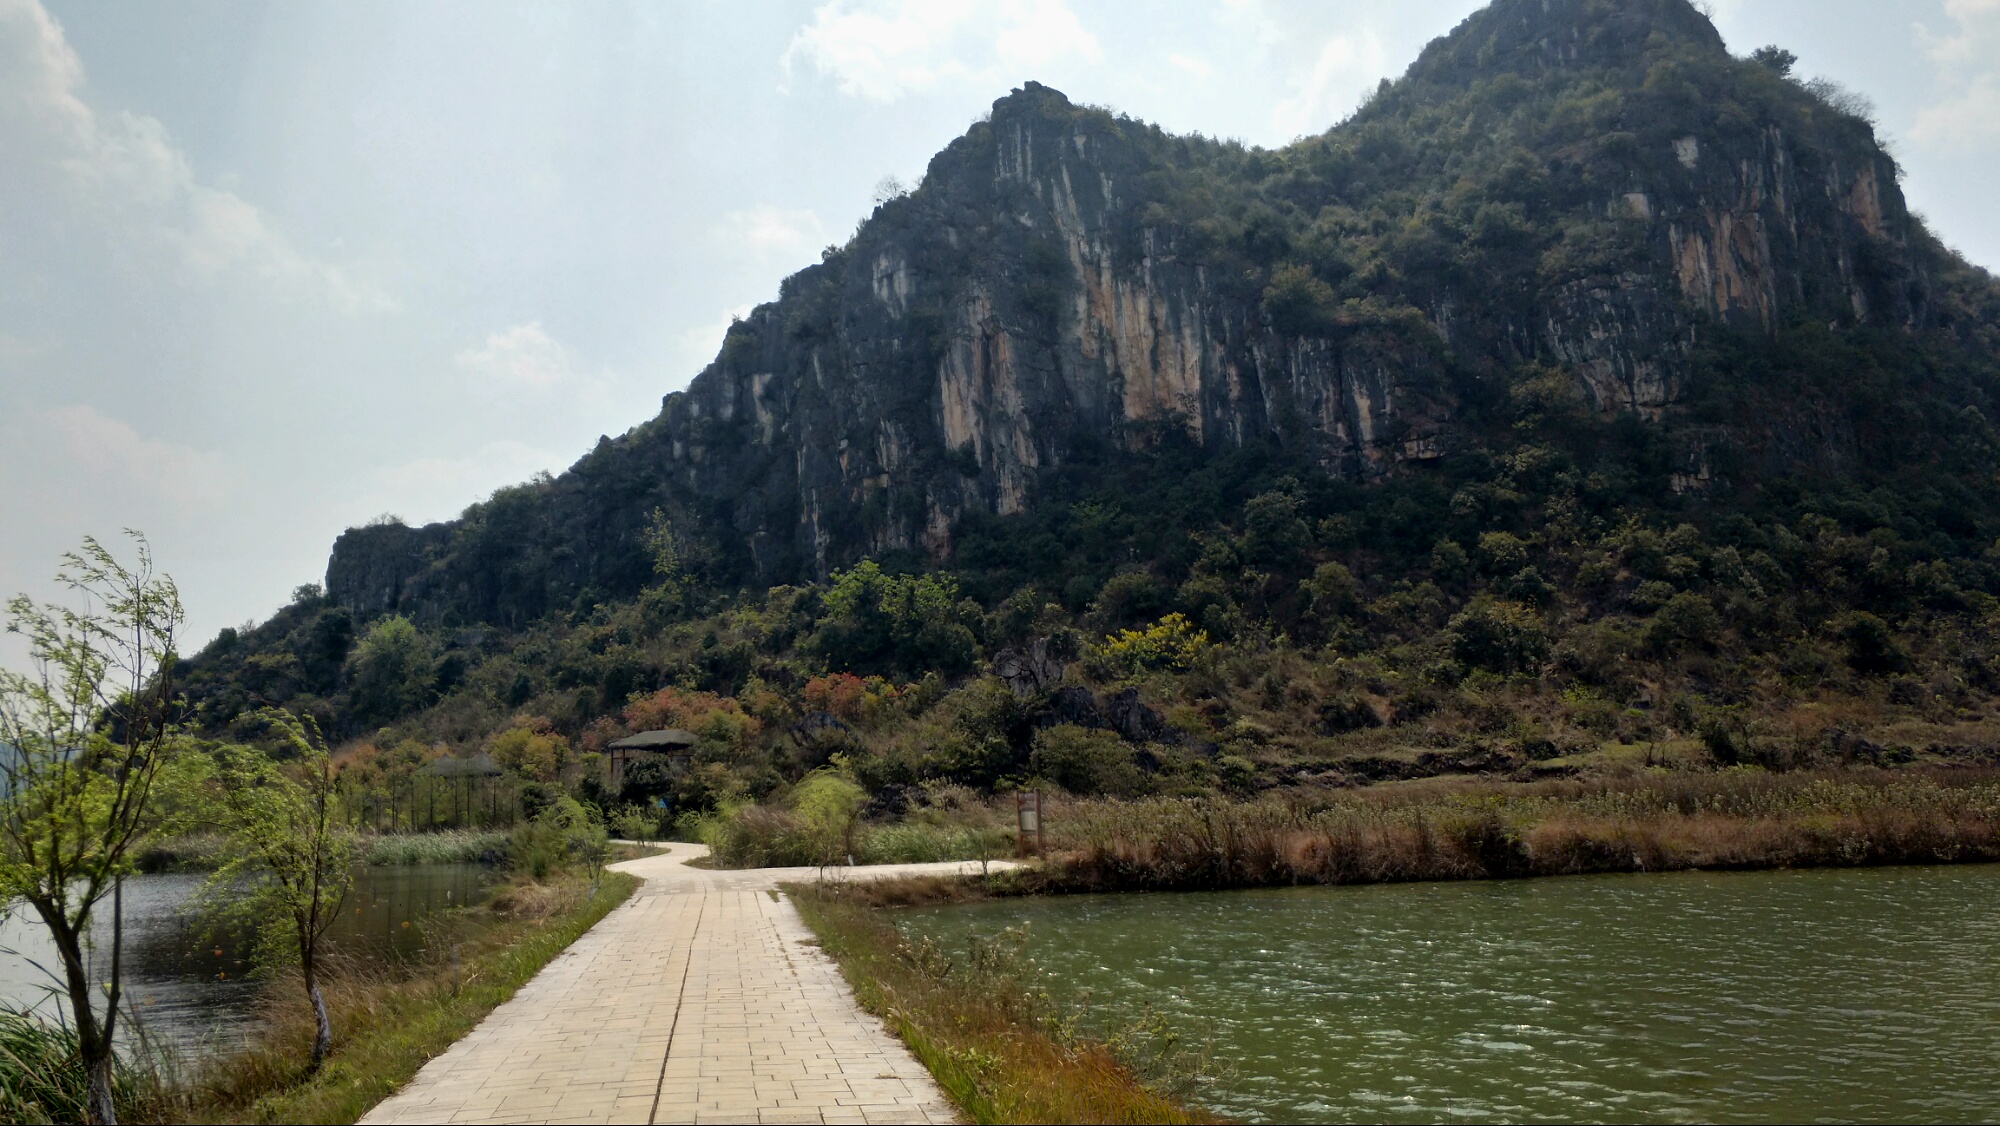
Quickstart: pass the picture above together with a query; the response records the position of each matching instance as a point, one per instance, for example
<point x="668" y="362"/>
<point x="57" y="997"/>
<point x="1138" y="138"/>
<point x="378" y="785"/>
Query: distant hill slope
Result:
<point x="1572" y="198"/>
<point x="1585" y="350"/>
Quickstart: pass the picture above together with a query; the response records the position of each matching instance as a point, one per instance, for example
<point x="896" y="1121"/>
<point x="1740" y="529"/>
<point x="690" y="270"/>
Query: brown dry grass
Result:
<point x="1442" y="831"/>
<point x="995" y="1044"/>
<point x="387" y="1024"/>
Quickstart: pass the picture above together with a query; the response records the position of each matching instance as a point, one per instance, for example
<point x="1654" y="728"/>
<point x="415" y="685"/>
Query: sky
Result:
<point x="268" y="271"/>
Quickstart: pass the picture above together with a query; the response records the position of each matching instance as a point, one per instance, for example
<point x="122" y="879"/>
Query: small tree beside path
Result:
<point x="88" y="737"/>
<point x="293" y="860"/>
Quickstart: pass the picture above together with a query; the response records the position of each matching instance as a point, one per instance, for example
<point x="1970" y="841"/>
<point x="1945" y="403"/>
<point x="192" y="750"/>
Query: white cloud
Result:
<point x="1967" y="59"/>
<point x="1977" y="22"/>
<point x="1346" y="67"/>
<point x="1193" y="64"/>
<point x="116" y="457"/>
<point x="1035" y="33"/>
<point x="1325" y="57"/>
<point x="121" y="175"/>
<point x="775" y="231"/>
<point x="1969" y="115"/>
<point x="524" y="354"/>
<point x="884" y="49"/>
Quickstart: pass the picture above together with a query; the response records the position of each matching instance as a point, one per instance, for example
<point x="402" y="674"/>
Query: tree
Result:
<point x="828" y="806"/>
<point x="1084" y="761"/>
<point x="1499" y="636"/>
<point x="85" y="739"/>
<point x="533" y="748"/>
<point x="1272" y="530"/>
<point x="1333" y="591"/>
<point x="909" y="623"/>
<point x="1299" y="303"/>
<point x="292" y="861"/>
<point x="392" y="670"/>
<point x="563" y="832"/>
<point x="1776" y="59"/>
<point x="1686" y="620"/>
<point x="667" y="549"/>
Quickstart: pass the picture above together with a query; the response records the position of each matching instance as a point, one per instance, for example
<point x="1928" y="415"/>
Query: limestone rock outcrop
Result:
<point x="1066" y="279"/>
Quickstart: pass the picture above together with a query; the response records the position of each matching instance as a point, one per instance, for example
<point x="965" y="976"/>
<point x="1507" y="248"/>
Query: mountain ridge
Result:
<point x="835" y="421"/>
<point x="1584" y="355"/>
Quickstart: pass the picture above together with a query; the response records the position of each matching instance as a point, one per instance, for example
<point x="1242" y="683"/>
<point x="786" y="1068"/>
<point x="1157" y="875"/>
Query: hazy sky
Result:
<point x="267" y="271"/>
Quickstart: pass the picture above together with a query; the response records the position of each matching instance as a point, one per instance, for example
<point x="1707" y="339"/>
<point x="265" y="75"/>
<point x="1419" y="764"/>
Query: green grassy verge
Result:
<point x="386" y="1029"/>
<point x="997" y="1046"/>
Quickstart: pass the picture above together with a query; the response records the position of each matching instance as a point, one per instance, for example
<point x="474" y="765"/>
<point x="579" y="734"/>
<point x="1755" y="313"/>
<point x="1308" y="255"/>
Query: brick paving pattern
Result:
<point x="700" y="999"/>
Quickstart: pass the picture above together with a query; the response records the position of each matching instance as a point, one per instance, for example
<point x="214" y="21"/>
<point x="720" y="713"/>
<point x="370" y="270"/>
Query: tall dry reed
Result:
<point x="1731" y="819"/>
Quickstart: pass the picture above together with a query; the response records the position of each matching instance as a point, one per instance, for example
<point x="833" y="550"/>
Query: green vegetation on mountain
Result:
<point x="1587" y="403"/>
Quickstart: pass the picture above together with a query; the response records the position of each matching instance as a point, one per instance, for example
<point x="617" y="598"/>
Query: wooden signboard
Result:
<point x="1028" y="817"/>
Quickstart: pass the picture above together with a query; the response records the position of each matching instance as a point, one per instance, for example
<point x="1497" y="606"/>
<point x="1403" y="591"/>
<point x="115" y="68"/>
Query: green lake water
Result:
<point x="189" y="983"/>
<point x="1833" y="995"/>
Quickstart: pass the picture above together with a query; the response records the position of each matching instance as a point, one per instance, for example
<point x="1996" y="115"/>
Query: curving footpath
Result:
<point x="702" y="998"/>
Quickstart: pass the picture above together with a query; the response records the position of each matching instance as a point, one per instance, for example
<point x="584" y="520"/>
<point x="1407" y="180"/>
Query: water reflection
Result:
<point x="188" y="981"/>
<point x="1774" y="996"/>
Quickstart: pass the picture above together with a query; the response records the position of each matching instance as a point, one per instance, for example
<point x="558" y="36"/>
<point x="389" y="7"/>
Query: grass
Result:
<point x="450" y="846"/>
<point x="765" y="836"/>
<point x="914" y="842"/>
<point x="204" y="852"/>
<point x="996" y="1045"/>
<point x="1739" y="818"/>
<point x="42" y="1077"/>
<point x="386" y="1027"/>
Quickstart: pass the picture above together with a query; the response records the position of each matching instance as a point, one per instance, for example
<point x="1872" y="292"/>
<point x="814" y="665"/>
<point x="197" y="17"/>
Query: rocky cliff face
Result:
<point x="1570" y="184"/>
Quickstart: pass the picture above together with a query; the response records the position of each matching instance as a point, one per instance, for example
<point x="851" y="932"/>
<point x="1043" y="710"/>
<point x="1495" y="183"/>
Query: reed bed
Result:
<point x="914" y="843"/>
<point x="205" y="852"/>
<point x="449" y="846"/>
<point x="762" y="836"/>
<point x="1728" y="819"/>
<point x="42" y="1077"/>
<point x="995" y="1042"/>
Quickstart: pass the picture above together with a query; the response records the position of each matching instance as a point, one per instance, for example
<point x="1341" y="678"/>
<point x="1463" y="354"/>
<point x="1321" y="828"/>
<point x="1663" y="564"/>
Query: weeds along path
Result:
<point x="700" y="999"/>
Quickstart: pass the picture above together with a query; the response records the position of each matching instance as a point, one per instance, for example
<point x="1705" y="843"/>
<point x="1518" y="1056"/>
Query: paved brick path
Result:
<point x="697" y="1000"/>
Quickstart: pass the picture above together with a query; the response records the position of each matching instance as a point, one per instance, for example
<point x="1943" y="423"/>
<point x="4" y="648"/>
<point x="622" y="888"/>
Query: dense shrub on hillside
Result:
<point x="1793" y="561"/>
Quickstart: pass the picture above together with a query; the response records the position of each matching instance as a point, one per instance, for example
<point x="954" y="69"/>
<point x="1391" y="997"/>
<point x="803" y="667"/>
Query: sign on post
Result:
<point x="1028" y="815"/>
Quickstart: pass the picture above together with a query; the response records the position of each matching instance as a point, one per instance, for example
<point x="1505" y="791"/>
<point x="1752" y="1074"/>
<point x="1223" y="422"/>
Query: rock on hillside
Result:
<point x="1567" y="186"/>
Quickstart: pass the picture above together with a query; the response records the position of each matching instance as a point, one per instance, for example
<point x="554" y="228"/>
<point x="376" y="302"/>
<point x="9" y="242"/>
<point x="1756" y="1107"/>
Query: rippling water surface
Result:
<point x="1764" y="996"/>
